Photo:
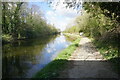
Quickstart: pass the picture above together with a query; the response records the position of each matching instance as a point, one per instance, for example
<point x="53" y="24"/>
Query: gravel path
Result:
<point x="87" y="62"/>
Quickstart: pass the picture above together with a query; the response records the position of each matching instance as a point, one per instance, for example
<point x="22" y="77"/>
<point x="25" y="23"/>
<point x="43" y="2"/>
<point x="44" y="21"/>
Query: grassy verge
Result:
<point x="109" y="52"/>
<point x="73" y="35"/>
<point x="53" y="68"/>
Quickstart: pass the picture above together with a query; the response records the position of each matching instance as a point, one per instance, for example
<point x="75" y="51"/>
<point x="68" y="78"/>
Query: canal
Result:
<point x="22" y="59"/>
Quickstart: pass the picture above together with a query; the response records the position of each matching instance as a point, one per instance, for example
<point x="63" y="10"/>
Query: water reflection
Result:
<point x="25" y="58"/>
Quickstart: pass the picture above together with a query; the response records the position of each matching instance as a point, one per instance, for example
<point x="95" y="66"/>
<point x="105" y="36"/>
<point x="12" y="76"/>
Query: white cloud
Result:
<point x="62" y="16"/>
<point x="58" y="15"/>
<point x="60" y="21"/>
<point x="51" y="13"/>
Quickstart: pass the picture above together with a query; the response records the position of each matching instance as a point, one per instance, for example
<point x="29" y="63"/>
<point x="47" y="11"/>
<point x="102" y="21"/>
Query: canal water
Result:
<point x="22" y="59"/>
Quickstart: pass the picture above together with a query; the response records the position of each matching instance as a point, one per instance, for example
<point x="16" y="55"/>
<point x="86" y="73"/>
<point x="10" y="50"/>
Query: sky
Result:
<point x="59" y="16"/>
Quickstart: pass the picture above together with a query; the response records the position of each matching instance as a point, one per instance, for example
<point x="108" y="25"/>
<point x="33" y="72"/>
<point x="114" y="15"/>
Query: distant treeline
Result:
<point x="20" y="21"/>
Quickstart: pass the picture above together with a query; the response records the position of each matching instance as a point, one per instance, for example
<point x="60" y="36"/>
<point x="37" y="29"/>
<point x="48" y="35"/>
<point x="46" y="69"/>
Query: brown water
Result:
<point x="22" y="59"/>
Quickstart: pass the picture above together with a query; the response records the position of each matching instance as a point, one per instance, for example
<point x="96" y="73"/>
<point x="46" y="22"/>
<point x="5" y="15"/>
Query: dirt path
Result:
<point x="86" y="62"/>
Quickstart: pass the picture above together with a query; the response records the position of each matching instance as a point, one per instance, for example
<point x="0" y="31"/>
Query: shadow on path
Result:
<point x="86" y="62"/>
<point x="88" y="69"/>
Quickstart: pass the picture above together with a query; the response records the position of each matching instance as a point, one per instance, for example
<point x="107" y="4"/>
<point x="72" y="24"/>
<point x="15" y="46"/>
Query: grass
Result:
<point x="106" y="50"/>
<point x="53" y="68"/>
<point x="110" y="53"/>
<point x="72" y="35"/>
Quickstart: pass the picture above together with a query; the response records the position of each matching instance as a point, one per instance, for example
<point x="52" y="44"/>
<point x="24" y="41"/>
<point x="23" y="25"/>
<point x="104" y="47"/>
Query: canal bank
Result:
<point x="53" y="68"/>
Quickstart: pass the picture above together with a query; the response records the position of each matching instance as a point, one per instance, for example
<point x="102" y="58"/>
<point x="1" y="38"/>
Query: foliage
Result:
<point x="110" y="53"/>
<point x="21" y="21"/>
<point x="52" y="69"/>
<point x="100" y="21"/>
<point x="70" y="37"/>
<point x="6" y="38"/>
